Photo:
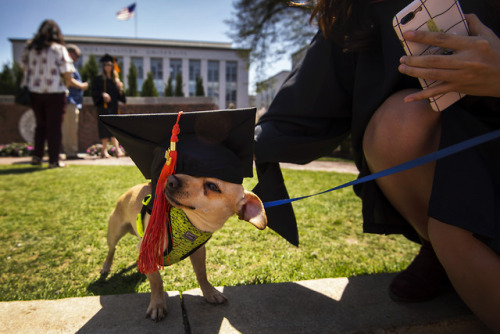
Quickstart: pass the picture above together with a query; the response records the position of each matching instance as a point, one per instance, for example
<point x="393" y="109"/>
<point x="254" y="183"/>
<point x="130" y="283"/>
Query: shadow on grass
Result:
<point x="26" y="170"/>
<point x="124" y="281"/>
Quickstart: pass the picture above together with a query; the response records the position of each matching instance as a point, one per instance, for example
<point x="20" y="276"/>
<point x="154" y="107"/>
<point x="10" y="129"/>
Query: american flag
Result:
<point x="126" y="13"/>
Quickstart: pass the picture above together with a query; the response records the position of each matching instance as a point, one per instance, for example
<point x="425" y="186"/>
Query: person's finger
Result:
<point x="433" y="61"/>
<point x="440" y="39"/>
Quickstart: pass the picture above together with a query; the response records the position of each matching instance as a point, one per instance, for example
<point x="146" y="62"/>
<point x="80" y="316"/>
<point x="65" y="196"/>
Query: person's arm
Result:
<point x="473" y="68"/>
<point x="77" y="84"/>
<point x="67" y="77"/>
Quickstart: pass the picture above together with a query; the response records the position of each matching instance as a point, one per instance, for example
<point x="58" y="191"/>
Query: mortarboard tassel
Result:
<point x="115" y="66"/>
<point x="152" y="246"/>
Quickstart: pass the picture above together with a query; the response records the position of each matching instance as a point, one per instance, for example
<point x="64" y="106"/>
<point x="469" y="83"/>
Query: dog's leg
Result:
<point x="211" y="294"/>
<point x="157" y="309"/>
<point x="117" y="228"/>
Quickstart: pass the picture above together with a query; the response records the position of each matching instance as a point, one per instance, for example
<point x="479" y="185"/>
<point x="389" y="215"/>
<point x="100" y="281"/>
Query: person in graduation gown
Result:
<point x="107" y="91"/>
<point x="355" y="81"/>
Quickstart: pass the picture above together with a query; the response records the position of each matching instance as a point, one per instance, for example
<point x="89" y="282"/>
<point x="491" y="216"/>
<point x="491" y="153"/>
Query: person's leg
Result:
<point x="104" y="149"/>
<point x="55" y="105"/>
<point x="119" y="152"/>
<point x="70" y="131"/>
<point x="40" y="119"/>
<point x="399" y="132"/>
<point x="473" y="269"/>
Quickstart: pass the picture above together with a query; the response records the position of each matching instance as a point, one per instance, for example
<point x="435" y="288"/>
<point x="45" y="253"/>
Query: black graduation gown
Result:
<point x="332" y="94"/>
<point x="111" y="108"/>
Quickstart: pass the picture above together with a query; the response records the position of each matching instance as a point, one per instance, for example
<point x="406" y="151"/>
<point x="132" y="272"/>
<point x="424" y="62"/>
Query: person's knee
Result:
<point x="399" y="131"/>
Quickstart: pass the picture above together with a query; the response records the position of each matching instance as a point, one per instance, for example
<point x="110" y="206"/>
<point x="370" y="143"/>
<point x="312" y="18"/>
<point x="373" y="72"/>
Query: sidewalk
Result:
<point x="330" y="166"/>
<point x="333" y="305"/>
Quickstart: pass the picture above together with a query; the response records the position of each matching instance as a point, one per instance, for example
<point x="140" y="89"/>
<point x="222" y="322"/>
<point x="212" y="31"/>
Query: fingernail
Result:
<point x="402" y="59"/>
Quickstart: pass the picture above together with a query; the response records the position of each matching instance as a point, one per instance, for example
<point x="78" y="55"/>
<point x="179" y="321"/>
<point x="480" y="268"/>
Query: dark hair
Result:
<point x="48" y="33"/>
<point x="345" y="22"/>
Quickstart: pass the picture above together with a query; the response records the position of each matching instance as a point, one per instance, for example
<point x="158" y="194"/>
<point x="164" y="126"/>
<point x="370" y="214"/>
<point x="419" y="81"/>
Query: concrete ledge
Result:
<point x="102" y="314"/>
<point x="336" y="305"/>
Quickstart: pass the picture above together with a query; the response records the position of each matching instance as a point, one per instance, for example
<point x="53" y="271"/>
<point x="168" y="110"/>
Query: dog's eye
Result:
<point x="212" y="187"/>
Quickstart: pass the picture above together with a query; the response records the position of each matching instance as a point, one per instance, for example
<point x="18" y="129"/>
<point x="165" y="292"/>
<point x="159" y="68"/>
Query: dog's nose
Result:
<point x="172" y="182"/>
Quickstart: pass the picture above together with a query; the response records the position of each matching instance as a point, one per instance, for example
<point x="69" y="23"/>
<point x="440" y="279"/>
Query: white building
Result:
<point x="224" y="69"/>
<point x="267" y="89"/>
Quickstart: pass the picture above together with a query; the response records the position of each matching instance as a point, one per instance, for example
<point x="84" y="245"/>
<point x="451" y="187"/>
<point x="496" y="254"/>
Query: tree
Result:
<point x="169" y="91"/>
<point x="18" y="73"/>
<point x="200" y="91"/>
<point x="7" y="81"/>
<point x="148" y="87"/>
<point x="88" y="72"/>
<point x="132" y="80"/>
<point x="178" y="85"/>
<point x="270" y="28"/>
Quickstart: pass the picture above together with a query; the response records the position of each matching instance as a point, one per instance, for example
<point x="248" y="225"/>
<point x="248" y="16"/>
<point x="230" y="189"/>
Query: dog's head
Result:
<point x="209" y="202"/>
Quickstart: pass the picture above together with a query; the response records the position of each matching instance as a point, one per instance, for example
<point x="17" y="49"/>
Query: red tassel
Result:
<point x="153" y="243"/>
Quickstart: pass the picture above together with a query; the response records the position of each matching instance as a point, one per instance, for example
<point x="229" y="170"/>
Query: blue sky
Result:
<point x="193" y="20"/>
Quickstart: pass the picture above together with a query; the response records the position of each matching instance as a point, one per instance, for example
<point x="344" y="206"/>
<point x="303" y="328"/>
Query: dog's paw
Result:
<point x="214" y="296"/>
<point x="157" y="309"/>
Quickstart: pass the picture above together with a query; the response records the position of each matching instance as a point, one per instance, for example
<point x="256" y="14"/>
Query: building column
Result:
<point x="204" y="73"/>
<point x="146" y="68"/>
<point x="166" y="70"/>
<point x="222" y="85"/>
<point x="185" y="76"/>
<point x="126" y="68"/>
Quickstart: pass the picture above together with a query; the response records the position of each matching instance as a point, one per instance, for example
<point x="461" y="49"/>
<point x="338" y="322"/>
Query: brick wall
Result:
<point x="11" y="114"/>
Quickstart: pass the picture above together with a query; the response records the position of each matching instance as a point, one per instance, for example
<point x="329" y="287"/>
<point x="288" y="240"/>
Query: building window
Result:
<point x="194" y="73"/>
<point x="157" y="71"/>
<point x="139" y="65"/>
<point x="213" y="78"/>
<point x="231" y="84"/>
<point x="175" y="68"/>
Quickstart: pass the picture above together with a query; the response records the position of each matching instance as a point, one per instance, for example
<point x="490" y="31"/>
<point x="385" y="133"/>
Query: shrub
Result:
<point x="16" y="150"/>
<point x="95" y="150"/>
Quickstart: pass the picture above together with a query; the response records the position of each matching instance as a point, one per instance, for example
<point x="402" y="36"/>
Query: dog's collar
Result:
<point x="183" y="237"/>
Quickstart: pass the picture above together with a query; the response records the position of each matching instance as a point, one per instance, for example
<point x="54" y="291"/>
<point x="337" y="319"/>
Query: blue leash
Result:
<point x="404" y="166"/>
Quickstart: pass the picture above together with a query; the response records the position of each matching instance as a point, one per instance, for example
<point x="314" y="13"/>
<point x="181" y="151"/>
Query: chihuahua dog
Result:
<point x="207" y="202"/>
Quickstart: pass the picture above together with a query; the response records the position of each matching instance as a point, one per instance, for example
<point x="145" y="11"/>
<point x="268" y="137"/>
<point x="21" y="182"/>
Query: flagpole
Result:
<point x="135" y="19"/>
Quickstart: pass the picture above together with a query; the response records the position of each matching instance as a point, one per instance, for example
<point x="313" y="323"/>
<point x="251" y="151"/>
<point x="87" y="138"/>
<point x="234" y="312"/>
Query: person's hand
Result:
<point x="85" y="85"/>
<point x="473" y="68"/>
<point x="119" y="84"/>
<point x="106" y="97"/>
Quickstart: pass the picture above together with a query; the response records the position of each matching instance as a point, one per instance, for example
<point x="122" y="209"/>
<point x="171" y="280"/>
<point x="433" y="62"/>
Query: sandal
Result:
<point x="120" y="154"/>
<point x="105" y="155"/>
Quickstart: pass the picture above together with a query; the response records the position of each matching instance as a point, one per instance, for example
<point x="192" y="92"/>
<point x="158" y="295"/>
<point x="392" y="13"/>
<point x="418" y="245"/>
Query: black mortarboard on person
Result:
<point x="107" y="58"/>
<point x="215" y="144"/>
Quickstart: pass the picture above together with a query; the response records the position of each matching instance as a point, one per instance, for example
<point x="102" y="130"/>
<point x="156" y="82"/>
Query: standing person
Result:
<point x="107" y="90"/>
<point x="73" y="107"/>
<point x="355" y="79"/>
<point x="48" y="67"/>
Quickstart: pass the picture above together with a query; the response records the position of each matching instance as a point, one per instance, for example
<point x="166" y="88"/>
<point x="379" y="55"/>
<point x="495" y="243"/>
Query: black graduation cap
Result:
<point x="215" y="143"/>
<point x="271" y="187"/>
<point x="107" y="58"/>
<point x="212" y="144"/>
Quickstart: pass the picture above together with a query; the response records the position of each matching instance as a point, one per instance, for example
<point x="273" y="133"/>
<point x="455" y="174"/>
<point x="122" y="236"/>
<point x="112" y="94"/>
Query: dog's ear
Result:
<point x="250" y="209"/>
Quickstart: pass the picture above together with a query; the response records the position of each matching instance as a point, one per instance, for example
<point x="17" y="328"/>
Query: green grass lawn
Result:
<point x="53" y="237"/>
